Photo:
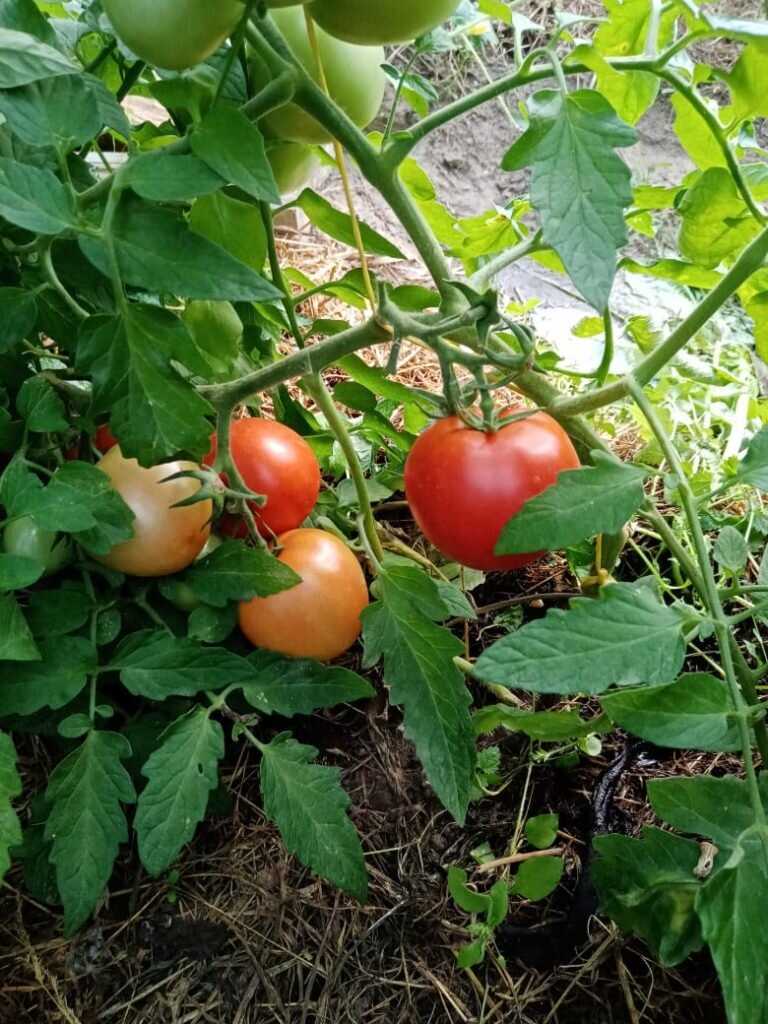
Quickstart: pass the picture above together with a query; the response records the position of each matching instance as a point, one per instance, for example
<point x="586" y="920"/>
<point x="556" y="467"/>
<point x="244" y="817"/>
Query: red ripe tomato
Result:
<point x="463" y="485"/>
<point x="104" y="439"/>
<point x="275" y="461"/>
<point x="319" y="617"/>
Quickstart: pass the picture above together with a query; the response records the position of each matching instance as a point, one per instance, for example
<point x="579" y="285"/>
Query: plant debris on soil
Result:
<point x="241" y="933"/>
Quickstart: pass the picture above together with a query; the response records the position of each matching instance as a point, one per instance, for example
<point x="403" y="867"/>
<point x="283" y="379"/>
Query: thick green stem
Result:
<point x="317" y="389"/>
<point x="714" y="605"/>
<point x="299" y="364"/>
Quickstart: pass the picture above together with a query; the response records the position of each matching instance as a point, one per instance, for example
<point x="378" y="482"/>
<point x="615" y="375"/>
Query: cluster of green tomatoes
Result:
<point x="178" y="34"/>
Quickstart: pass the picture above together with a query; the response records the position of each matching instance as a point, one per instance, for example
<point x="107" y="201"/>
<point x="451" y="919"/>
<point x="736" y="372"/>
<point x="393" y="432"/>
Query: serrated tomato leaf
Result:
<point x="624" y="637"/>
<point x="307" y="803"/>
<point x="10" y="788"/>
<point x="648" y="887"/>
<point x="234" y="572"/>
<point x="581" y="503"/>
<point x="299" y="686"/>
<point x="580" y="187"/>
<point x="181" y="774"/>
<point x="421" y="675"/>
<point x="157" y="665"/>
<point x="86" y="824"/>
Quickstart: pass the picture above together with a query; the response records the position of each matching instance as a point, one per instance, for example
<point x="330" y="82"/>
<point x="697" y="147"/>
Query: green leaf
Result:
<point x="473" y="953"/>
<point x="753" y="468"/>
<point x="234" y="147"/>
<point x="337" y="224"/>
<point x="463" y="896"/>
<point x="625" y="32"/>
<point x="299" y="686"/>
<point x="153" y="410"/>
<point x="648" y="887"/>
<point x="18" y="315"/>
<point x="165" y="177"/>
<point x="625" y="636"/>
<point x="545" y="726"/>
<point x="24" y="16"/>
<point x="41" y="406"/>
<point x="695" y="712"/>
<point x="87" y="825"/>
<point x="455" y="601"/>
<point x="62" y="112"/>
<point x="732" y="908"/>
<point x="182" y="774"/>
<point x="717" y="808"/>
<point x="156" y="250"/>
<point x="730" y="550"/>
<point x="695" y="135"/>
<point x="715" y="219"/>
<point x="80" y="500"/>
<point x="541" y="830"/>
<point x="537" y="878"/>
<point x="53" y="681"/>
<point x="581" y="503"/>
<point x="420" y="672"/>
<point x="24" y="59"/>
<point x="34" y="198"/>
<point x="674" y="270"/>
<point x="307" y="803"/>
<point x="212" y="625"/>
<point x="10" y="787"/>
<point x="158" y="665"/>
<point x="570" y="143"/>
<point x="748" y="83"/>
<point x="234" y="572"/>
<point x="17" y="571"/>
<point x="235" y="226"/>
<point x="16" y="641"/>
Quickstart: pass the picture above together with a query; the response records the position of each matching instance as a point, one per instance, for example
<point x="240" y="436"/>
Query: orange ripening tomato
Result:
<point x="275" y="461"/>
<point x="464" y="485"/>
<point x="319" y="617"/>
<point x="165" y="539"/>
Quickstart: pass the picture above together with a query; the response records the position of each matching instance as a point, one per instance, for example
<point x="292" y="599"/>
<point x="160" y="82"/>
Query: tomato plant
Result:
<point x="390" y="21"/>
<point x="353" y="73"/>
<point x="165" y="538"/>
<point x="318" y="618"/>
<point x="277" y="463"/>
<point x="173" y="34"/>
<point x="143" y="287"/>
<point x="464" y="485"/>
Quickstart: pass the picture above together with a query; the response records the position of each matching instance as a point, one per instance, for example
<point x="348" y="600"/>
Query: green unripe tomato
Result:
<point x="23" y="537"/>
<point x="355" y="79"/>
<point x="292" y="164"/>
<point x="288" y="3"/>
<point x="214" y="325"/>
<point x="173" y="34"/>
<point x="374" y="22"/>
<point x="180" y="595"/>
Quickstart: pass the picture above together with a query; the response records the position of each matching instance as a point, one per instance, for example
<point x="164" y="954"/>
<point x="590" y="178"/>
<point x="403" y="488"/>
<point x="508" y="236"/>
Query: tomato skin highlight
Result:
<point x="319" y="617"/>
<point x="464" y="485"/>
<point x="275" y="461"/>
<point x="165" y="540"/>
<point x="373" y="22"/>
<point x="173" y="34"/>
